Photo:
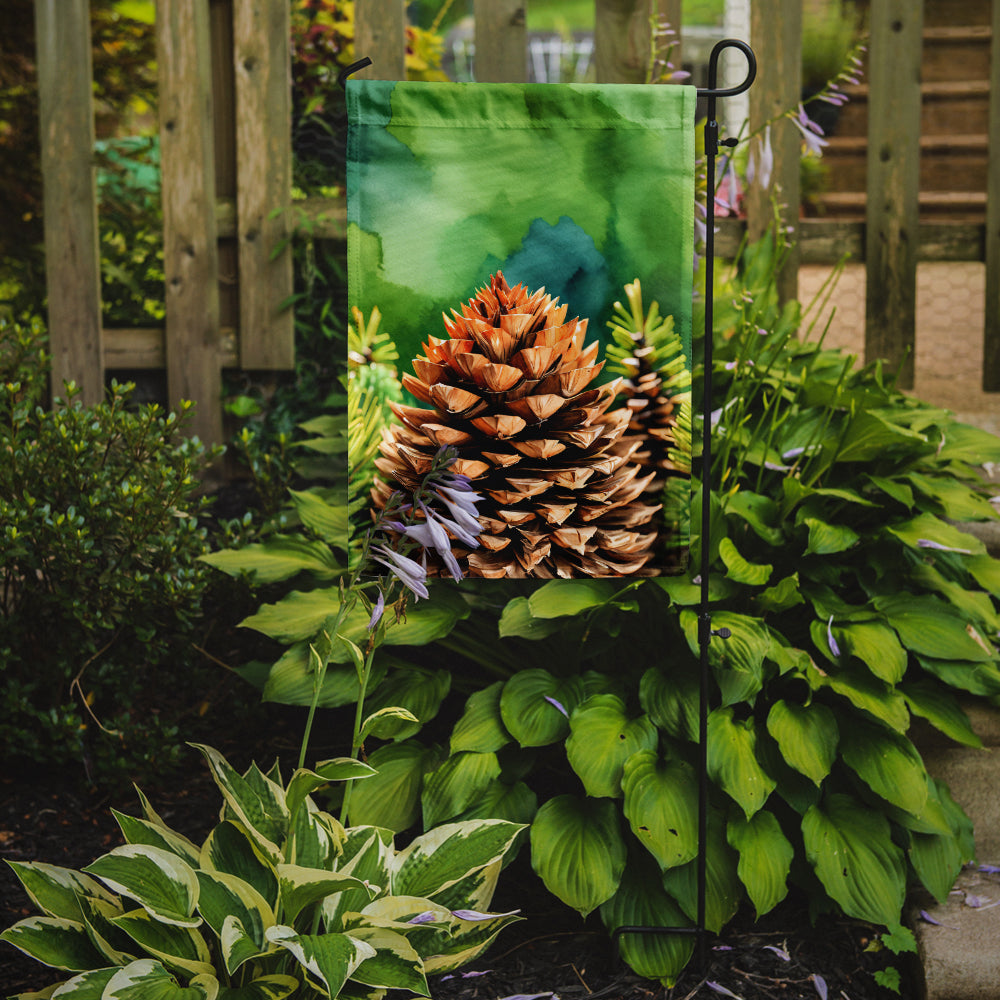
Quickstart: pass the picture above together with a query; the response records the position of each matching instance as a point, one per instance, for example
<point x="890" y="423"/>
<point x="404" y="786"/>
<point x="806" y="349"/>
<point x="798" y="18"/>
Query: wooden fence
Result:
<point x="226" y="162"/>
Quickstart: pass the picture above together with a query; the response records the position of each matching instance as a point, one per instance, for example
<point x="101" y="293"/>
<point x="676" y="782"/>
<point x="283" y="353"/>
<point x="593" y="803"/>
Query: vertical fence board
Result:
<point x="669" y="11"/>
<point x="893" y="183"/>
<point x="621" y="40"/>
<point x="991" y="332"/>
<point x="72" y="257"/>
<point x="776" y="35"/>
<point x="190" y="254"/>
<point x="261" y="57"/>
<point x="501" y="41"/>
<point x="380" y="34"/>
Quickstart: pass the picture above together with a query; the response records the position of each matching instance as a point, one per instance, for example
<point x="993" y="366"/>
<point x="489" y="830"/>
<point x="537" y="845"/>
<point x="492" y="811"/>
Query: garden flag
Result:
<point x="515" y="238"/>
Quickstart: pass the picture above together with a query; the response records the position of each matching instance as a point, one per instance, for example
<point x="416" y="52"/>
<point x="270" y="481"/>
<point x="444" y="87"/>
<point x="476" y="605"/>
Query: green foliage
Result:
<point x="280" y="899"/>
<point x="101" y="587"/>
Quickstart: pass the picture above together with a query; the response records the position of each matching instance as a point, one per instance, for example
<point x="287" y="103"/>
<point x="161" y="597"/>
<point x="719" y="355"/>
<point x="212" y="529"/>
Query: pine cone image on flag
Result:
<point x="508" y="389"/>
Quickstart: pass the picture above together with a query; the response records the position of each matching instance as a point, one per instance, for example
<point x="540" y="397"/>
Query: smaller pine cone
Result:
<point x="508" y="388"/>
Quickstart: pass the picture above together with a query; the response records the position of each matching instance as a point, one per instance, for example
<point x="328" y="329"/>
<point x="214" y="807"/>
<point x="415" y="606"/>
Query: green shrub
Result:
<point x="99" y="542"/>
<point x="279" y="900"/>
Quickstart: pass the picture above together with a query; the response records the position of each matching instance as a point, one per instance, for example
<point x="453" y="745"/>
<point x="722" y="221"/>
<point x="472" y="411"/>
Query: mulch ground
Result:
<point x="550" y="953"/>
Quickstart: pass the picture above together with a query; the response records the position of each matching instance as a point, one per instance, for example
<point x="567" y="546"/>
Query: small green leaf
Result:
<point x="518" y="621"/>
<point x="828" y="539"/>
<point x="765" y="858"/>
<point x="732" y="760"/>
<point x="888" y="763"/>
<point x="739" y="569"/>
<point x="481" y="727"/>
<point x="671" y="699"/>
<point x="279" y="558"/>
<point x="535" y="706"/>
<point x="559" y="598"/>
<point x="807" y="736"/>
<point x="456" y="784"/>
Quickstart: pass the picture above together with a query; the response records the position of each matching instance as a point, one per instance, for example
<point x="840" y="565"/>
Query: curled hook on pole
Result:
<point x="353" y="68"/>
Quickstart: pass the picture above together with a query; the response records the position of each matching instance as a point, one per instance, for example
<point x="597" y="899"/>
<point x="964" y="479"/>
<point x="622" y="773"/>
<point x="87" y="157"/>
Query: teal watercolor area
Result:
<point x="577" y="188"/>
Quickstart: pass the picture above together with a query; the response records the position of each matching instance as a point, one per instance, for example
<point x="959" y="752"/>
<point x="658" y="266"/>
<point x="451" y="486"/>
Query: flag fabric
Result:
<point x="579" y="189"/>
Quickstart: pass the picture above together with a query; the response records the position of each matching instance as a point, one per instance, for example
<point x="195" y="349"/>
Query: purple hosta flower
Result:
<point x="427" y="917"/>
<point x="927" y="918"/>
<point x="377" y="611"/>
<point x="760" y="165"/>
<point x="927" y="543"/>
<point x="719" y="988"/>
<point x="465" y="975"/>
<point x="811" y="132"/>
<point x="409" y="572"/>
<point x="431" y="535"/>
<point x="557" y="704"/>
<point x="475" y="915"/>
<point x="990" y="869"/>
<point x="820" y="984"/>
<point x="831" y="642"/>
<point x="461" y="504"/>
<point x="780" y="952"/>
<point x="531" y="996"/>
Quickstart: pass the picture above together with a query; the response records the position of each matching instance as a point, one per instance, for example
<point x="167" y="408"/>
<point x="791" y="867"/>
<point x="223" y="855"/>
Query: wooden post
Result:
<point x="501" y="41"/>
<point x="190" y="254"/>
<point x="893" y="183"/>
<point x="776" y="35"/>
<point x="380" y="34"/>
<point x="72" y="256"/>
<point x="261" y="57"/>
<point x="991" y="333"/>
<point x="669" y="11"/>
<point x="621" y="40"/>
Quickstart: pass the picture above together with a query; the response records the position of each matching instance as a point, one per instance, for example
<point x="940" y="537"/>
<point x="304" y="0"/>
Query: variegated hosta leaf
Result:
<point x="476" y="890"/>
<point x="147" y="979"/>
<point x="304" y="782"/>
<point x="274" y="987"/>
<point x="578" y="851"/>
<point x="54" y="941"/>
<point x="86" y="986"/>
<point x="230" y="849"/>
<point x="661" y="799"/>
<point x="441" y="857"/>
<point x="417" y="690"/>
<point x="642" y="902"/>
<point x="765" y="858"/>
<point x="602" y="737"/>
<point x="807" y="736"/>
<point x="468" y="939"/>
<point x="315" y="838"/>
<point x="116" y="947"/>
<point x="850" y="847"/>
<point x="456" y="784"/>
<point x="177" y="947"/>
<point x="395" y="964"/>
<point x="732" y="760"/>
<point x="300" y="887"/>
<point x="535" y="706"/>
<point x="142" y="831"/>
<point x="56" y="891"/>
<point x="158" y="880"/>
<point x="256" y="801"/>
<point x="225" y="897"/>
<point x="329" y="959"/>
<point x="367" y="853"/>
<point x="481" y="727"/>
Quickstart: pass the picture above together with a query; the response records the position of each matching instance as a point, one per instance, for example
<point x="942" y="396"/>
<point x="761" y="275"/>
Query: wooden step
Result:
<point x="957" y="206"/>
<point x="956" y="53"/>
<point x="947" y="162"/>
<point x="940" y="13"/>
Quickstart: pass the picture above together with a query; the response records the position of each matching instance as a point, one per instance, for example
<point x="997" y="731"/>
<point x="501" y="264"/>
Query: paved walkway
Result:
<point x="950" y="315"/>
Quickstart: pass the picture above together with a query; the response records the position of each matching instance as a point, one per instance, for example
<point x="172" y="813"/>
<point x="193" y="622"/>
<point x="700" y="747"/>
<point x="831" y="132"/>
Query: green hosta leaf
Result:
<point x="965" y="443"/>
<point x="865" y="692"/>
<point x="159" y="881"/>
<point x="327" y="520"/>
<point x="386" y="723"/>
<point x="260" y="809"/>
<point x="391" y="798"/>
<point x="741" y="571"/>
<point x="671" y="699"/>
<point x="517" y="620"/>
<point x="330" y="959"/>
<point x="291" y="680"/>
<point x="417" y="690"/>
<point x="440" y="858"/>
<point x="56" y="891"/>
<point x="304" y="782"/>
<point x="274" y="987"/>
<point x="893" y="488"/>
<point x="535" y="706"/>
<point x="828" y="539"/>
<point x="684" y="593"/>
<point x="481" y="728"/>
<point x="807" y="736"/>
<point x="230" y="849"/>
<point x="957" y="501"/>
<point x="456" y="784"/>
<point x="928" y="528"/>
<point x="578" y="851"/>
<point x="142" y="831"/>
<point x="641" y="901"/>
<point x="558" y="598"/>
<point x="301" y="887"/>
<point x="941" y="709"/>
<point x="760" y="512"/>
<point x="732" y="760"/>
<point x="516" y="803"/>
<point x="986" y="572"/>
<point x="888" y="763"/>
<point x="602" y="738"/>
<point x="395" y="964"/>
<point x="279" y="558"/>
<point x="765" y="858"/>
<point x="723" y="889"/>
<point x="661" y="798"/>
<point x="180" y="948"/>
<point x="976" y="678"/>
<point x="931" y="628"/>
<point x="300" y="615"/>
<point x="869" y="436"/>
<point x="937" y="859"/>
<point x="738" y="661"/>
<point x="147" y="979"/>
<point x="850" y="847"/>
<point x="783" y="595"/>
<point x="876" y="646"/>
<point x="54" y="941"/>
<point x="225" y="897"/>
<point x="975" y="605"/>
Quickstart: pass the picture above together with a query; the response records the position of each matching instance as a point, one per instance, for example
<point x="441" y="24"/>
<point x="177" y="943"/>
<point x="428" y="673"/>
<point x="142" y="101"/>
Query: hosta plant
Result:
<point x="279" y="900"/>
